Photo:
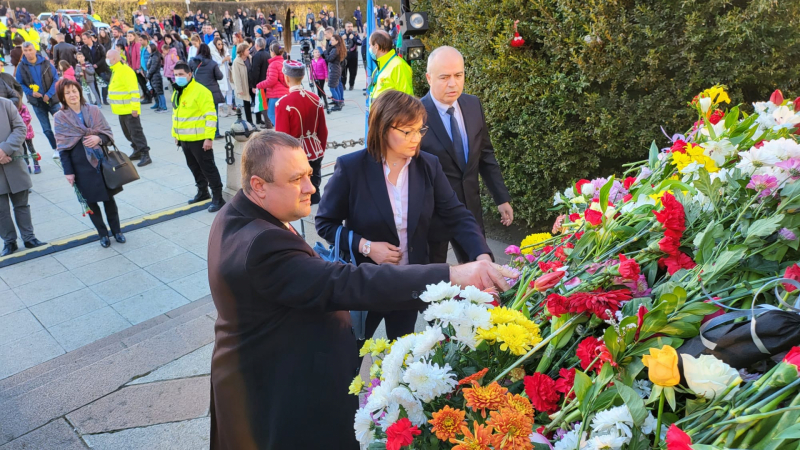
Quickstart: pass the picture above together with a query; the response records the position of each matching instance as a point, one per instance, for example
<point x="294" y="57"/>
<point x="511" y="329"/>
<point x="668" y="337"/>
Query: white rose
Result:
<point x="709" y="377"/>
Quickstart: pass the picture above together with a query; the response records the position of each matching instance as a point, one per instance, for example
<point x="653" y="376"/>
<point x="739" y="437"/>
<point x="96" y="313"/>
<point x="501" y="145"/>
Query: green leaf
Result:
<point x="644" y="347"/>
<point x="669" y="393"/>
<point x="705" y="241"/>
<point x="605" y="399"/>
<point x="654" y="321"/>
<point x="653" y="157"/>
<point x="699" y="308"/>
<point x="793" y="432"/>
<point x="762" y="228"/>
<point x="681" y="329"/>
<point x="725" y="261"/>
<point x="775" y="253"/>
<point x="604" y="191"/>
<point x="634" y="403"/>
<point x="611" y="338"/>
<point x="582" y="384"/>
<point x="791" y="190"/>
<point x="732" y="117"/>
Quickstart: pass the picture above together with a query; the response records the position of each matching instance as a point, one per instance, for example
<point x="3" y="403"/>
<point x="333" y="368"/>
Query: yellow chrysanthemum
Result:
<point x="694" y="154"/>
<point x="356" y="386"/>
<point x="366" y="348"/>
<point x="504" y="315"/>
<point x="513" y="338"/>
<point x="486" y="335"/>
<point x="717" y="94"/>
<point x="531" y="240"/>
<point x="379" y="346"/>
<point x="515" y="332"/>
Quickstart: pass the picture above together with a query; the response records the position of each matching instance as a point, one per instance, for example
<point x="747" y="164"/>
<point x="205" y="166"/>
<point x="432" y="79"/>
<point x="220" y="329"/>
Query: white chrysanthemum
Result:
<point x="412" y="406"/>
<point x="429" y="381"/>
<point x="363" y="426"/>
<point x="390" y="416"/>
<point x="426" y="340"/>
<point x="649" y="425"/>
<point x="642" y="387"/>
<point x="446" y="312"/>
<point x="465" y="334"/>
<point x="570" y="441"/>
<point x="755" y="158"/>
<point x="764" y="111"/>
<point x="724" y="175"/>
<point x="781" y="149"/>
<point x="477" y="316"/>
<point x="785" y="117"/>
<point x="719" y="151"/>
<point x="393" y="362"/>
<point x="615" y="421"/>
<point x="437" y="292"/>
<point x="606" y="442"/>
<point x="475" y="295"/>
<point x="378" y="398"/>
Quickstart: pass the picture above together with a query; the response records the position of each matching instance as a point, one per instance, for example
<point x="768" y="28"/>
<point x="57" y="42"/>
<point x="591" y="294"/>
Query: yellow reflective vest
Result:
<point x="123" y="91"/>
<point x="31" y="36"/>
<point x="392" y="72"/>
<point x="194" y="117"/>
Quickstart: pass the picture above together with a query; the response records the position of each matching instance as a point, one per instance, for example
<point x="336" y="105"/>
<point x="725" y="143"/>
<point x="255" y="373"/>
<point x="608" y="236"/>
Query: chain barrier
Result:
<point x="229" y="158"/>
<point x="345" y="144"/>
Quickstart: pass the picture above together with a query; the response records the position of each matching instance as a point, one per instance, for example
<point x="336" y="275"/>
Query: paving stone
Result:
<point x="176" y="267"/>
<point x="151" y="197"/>
<point x="154" y="253"/>
<point x="26" y="353"/>
<point x="66" y="307"/>
<point x="9" y="302"/>
<point x="176" y="226"/>
<point x="84" y="255"/>
<point x="127" y="211"/>
<point x="196" y="363"/>
<point x="17" y="325"/>
<point x="149" y="304"/>
<point x="106" y="269"/>
<point x="57" y="434"/>
<point x="144" y="405"/>
<point x="138" y="239"/>
<point x="35" y="269"/>
<point x="47" y="288"/>
<point x="77" y="332"/>
<point x="187" y="435"/>
<point x="194" y="286"/>
<point x="125" y="286"/>
<point x="205" y="217"/>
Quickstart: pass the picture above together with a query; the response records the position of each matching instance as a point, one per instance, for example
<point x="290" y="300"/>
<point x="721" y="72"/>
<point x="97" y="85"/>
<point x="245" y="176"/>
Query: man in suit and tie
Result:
<point x="464" y="154"/>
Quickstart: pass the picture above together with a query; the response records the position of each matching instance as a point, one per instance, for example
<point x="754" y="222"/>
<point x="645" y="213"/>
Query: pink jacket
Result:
<point x="169" y="63"/>
<point x="134" y="54"/>
<point x="70" y="73"/>
<point x="275" y="85"/>
<point x="319" y="69"/>
<point x="26" y="117"/>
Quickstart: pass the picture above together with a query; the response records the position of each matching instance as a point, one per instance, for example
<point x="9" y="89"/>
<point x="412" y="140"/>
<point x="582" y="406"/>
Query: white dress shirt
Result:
<point x="442" y="108"/>
<point x="398" y="196"/>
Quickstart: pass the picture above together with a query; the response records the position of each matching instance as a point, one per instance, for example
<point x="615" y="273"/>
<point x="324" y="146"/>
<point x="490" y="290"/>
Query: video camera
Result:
<point x="306" y="48"/>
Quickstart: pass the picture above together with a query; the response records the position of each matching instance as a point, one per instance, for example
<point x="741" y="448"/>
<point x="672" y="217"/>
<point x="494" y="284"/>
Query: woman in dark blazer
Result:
<point x="388" y="193"/>
<point x="80" y="130"/>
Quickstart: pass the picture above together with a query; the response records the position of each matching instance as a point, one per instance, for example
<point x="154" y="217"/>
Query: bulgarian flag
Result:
<point x="262" y="102"/>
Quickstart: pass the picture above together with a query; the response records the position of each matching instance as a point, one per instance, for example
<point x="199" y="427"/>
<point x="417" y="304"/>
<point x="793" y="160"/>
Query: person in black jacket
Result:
<point x="64" y="51"/>
<point x="95" y="53"/>
<point x="352" y="41"/>
<point x="387" y="194"/>
<point x="176" y="22"/>
<point x="154" y="64"/>
<point x="206" y="72"/>
<point x="258" y="71"/>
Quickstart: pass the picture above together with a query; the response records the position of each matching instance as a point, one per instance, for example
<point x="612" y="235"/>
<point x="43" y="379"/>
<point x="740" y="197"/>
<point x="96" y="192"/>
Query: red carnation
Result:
<point x="557" y="304"/>
<point x="566" y="381"/>
<point x="672" y="216"/>
<point x="716" y="116"/>
<point x="797" y="104"/>
<point x="574" y="217"/>
<point x="550" y="265"/>
<point x="713" y="315"/>
<point x="598" y="302"/>
<point x="776" y="97"/>
<point x="640" y="320"/>
<point x="579" y="185"/>
<point x="792" y="273"/>
<point x="560" y="253"/>
<point x="678" y="146"/>
<point x="578" y="235"/>
<point x="793" y="358"/>
<point x="677" y="439"/>
<point x="628" y="268"/>
<point x="628" y="182"/>
<point x="547" y="249"/>
<point x="400" y="434"/>
<point x="626" y="198"/>
<point x="541" y="390"/>
<point x="592" y="350"/>
<point x="593" y="217"/>
<point x="676" y="262"/>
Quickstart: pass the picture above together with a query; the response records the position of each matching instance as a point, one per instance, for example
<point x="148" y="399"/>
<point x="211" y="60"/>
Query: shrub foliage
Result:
<point x="596" y="79"/>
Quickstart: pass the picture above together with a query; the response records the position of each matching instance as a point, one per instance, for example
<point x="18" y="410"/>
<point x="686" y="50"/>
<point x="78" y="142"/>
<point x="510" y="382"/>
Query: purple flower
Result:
<point x="787" y="234"/>
<point x="512" y="281"/>
<point x="638" y="287"/>
<point x="792" y="166"/>
<point x="512" y="250"/>
<point x="531" y="259"/>
<point x="574" y="281"/>
<point x="764" y="184"/>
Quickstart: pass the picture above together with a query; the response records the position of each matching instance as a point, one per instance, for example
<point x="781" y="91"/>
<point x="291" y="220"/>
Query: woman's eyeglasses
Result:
<point x="407" y="134"/>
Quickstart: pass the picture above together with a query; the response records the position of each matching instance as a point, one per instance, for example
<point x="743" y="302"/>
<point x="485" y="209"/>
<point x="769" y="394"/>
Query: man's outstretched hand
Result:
<point x="481" y="274"/>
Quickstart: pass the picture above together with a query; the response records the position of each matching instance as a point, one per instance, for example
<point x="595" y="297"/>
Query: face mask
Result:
<point x="108" y="63"/>
<point x="181" y="81"/>
<point x="372" y="54"/>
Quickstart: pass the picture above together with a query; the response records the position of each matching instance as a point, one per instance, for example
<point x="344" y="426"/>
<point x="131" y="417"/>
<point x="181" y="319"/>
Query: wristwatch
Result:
<point x="366" y="248"/>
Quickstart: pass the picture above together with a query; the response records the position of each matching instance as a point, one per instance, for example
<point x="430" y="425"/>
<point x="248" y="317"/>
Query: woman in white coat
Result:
<point x="220" y="55"/>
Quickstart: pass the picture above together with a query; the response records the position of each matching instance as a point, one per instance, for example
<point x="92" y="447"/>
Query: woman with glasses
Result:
<point x="387" y="194"/>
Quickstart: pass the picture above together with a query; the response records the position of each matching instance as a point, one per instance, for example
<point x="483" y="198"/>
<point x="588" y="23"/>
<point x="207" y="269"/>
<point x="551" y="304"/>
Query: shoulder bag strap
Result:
<point x="336" y="243"/>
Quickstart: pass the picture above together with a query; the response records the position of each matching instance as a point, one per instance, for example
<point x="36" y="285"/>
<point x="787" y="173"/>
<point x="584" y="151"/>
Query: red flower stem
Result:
<point x="658" y="421"/>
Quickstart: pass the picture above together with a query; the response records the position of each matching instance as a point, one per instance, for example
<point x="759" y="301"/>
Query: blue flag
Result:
<point x="369" y="63"/>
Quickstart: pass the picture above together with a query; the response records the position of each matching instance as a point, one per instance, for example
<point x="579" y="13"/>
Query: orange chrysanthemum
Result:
<point x="481" y="440"/>
<point x="520" y="404"/>
<point x="474" y="377"/>
<point x="482" y="398"/>
<point x="512" y="430"/>
<point x="447" y="422"/>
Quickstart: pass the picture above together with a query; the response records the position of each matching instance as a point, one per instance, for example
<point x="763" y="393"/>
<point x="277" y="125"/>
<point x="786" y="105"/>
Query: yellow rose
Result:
<point x="662" y="366"/>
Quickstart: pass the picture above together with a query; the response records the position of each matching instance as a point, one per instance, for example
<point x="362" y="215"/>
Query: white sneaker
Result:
<point x="56" y="155"/>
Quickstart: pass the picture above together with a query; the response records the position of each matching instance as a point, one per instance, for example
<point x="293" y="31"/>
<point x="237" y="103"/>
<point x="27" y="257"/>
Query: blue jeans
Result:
<point x="44" y="120"/>
<point x="162" y="102"/>
<point x="216" y="110"/>
<point x="337" y="94"/>
<point x="271" y="110"/>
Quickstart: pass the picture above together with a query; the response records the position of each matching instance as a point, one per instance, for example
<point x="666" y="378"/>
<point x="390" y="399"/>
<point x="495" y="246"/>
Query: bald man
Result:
<point x="123" y="94"/>
<point x="460" y="138"/>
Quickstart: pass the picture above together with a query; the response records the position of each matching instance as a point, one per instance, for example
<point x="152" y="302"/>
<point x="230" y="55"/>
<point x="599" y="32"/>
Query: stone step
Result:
<point x="70" y="362"/>
<point x="102" y="369"/>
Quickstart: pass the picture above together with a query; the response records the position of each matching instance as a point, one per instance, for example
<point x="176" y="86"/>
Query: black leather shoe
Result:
<point x="9" y="248"/>
<point x="201" y="195"/>
<point x="216" y="205"/>
<point x="145" y="160"/>
<point x="33" y="243"/>
<point x="105" y="242"/>
<point x="119" y="237"/>
<point x="135" y="156"/>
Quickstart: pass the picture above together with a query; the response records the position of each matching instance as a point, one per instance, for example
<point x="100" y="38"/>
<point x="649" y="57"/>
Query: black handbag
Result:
<point x="118" y="170"/>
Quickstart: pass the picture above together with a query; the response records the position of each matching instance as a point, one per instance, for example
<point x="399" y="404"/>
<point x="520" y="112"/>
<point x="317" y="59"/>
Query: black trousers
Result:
<point x="132" y="129"/>
<point x="398" y="323"/>
<point x="437" y="251"/>
<point x="320" y="84"/>
<point x="143" y="85"/>
<point x="351" y="67"/>
<point x="112" y="214"/>
<point x="201" y="163"/>
<point x="248" y="111"/>
<point x="316" y="179"/>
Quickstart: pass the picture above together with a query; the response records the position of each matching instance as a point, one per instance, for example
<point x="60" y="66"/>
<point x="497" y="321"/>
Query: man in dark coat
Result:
<point x="258" y="69"/>
<point x="284" y="351"/>
<point x="463" y="155"/>
<point x="64" y="51"/>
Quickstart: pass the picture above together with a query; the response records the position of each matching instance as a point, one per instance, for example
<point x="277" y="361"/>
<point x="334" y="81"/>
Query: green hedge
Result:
<point x="596" y="79"/>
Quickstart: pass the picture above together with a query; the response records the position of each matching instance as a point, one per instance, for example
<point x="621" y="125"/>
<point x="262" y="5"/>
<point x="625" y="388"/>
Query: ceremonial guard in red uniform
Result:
<point x="301" y="115"/>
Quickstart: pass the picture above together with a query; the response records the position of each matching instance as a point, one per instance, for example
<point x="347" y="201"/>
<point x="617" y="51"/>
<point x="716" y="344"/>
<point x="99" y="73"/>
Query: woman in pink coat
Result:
<point x="170" y="58"/>
<point x="274" y="86"/>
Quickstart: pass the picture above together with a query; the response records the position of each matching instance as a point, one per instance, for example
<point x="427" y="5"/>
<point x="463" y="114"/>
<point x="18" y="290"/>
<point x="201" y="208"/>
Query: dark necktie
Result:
<point x="458" y="143"/>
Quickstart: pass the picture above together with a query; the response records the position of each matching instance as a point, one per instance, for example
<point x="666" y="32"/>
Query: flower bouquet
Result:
<point x="605" y="340"/>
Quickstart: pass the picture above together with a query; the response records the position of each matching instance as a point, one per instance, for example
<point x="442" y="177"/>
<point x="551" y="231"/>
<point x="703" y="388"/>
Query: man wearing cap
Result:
<point x="300" y="114"/>
<point x="123" y="94"/>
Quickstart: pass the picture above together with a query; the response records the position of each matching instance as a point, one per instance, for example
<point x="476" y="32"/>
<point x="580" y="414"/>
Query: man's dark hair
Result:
<point x="19" y="40"/>
<point x="382" y="40"/>
<point x="257" y="155"/>
<point x="182" y="65"/>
